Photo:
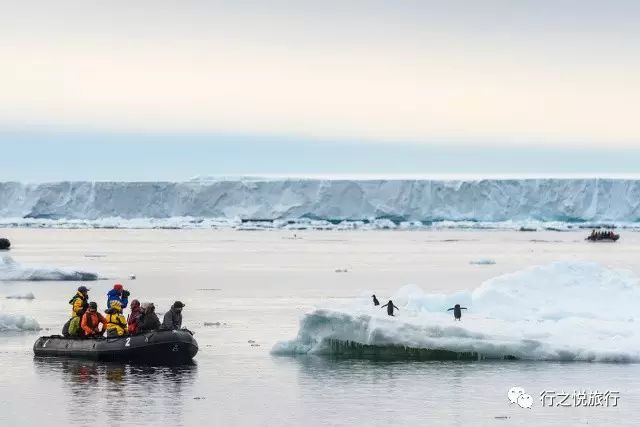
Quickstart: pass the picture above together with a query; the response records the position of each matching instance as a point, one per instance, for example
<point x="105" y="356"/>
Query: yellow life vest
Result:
<point x="79" y="304"/>
<point x="118" y="322"/>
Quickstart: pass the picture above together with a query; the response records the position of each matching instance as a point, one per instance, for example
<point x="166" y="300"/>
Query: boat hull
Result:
<point x="150" y="347"/>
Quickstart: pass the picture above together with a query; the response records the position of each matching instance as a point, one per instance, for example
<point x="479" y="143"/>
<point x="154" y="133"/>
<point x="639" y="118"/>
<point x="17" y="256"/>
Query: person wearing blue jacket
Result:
<point x="118" y="293"/>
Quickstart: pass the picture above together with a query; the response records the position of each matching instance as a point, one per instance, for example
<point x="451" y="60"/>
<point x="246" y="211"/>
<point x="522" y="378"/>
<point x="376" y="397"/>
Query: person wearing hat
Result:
<point x="118" y="293"/>
<point x="116" y="323"/>
<point x="173" y="318"/>
<point x="149" y="320"/>
<point x="91" y="320"/>
<point x="79" y="302"/>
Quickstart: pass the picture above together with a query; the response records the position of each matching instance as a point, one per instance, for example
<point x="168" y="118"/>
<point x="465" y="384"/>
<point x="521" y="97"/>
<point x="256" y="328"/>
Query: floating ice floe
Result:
<point x="218" y="324"/>
<point x="483" y="261"/>
<point x="11" y="270"/>
<point x="27" y="296"/>
<point x="14" y="322"/>
<point x="560" y="311"/>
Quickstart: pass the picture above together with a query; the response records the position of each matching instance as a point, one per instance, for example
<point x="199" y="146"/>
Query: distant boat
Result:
<point x="603" y="237"/>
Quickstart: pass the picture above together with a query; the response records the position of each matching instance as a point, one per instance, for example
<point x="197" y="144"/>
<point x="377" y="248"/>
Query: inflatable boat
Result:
<point x="163" y="346"/>
<point x="5" y="244"/>
<point x="605" y="238"/>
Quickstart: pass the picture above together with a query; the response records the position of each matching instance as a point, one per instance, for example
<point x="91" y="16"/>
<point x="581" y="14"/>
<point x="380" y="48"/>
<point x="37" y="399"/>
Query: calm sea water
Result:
<point x="256" y="285"/>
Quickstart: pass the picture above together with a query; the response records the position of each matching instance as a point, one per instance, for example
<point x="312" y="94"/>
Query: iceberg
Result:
<point x="27" y="296"/>
<point x="323" y="203"/>
<point x="10" y="270"/>
<point x="562" y="311"/>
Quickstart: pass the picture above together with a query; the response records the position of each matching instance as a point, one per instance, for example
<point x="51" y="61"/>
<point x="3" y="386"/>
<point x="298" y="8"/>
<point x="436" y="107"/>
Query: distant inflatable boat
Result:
<point x="4" y="244"/>
<point x="165" y="347"/>
<point x="608" y="238"/>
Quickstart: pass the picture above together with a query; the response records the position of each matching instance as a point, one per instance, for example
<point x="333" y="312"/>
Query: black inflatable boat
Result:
<point x="5" y="244"/>
<point x="161" y="346"/>
<point x="606" y="238"/>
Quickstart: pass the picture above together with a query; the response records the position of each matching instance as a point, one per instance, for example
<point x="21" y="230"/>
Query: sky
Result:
<point x="164" y="89"/>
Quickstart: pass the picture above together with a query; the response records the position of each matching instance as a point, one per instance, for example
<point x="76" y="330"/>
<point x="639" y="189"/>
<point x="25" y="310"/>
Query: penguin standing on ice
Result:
<point x="457" y="311"/>
<point x="375" y="300"/>
<point x="390" y="307"/>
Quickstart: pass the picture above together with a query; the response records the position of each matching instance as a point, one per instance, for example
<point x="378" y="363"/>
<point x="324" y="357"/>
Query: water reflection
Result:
<point x="123" y="393"/>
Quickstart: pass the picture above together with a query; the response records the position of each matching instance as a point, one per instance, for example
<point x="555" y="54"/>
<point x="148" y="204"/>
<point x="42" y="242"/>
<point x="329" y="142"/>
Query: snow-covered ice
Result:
<point x="560" y="311"/>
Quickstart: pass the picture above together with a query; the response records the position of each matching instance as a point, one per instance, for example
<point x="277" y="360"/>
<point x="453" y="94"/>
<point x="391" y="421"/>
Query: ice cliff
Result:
<point x="424" y="201"/>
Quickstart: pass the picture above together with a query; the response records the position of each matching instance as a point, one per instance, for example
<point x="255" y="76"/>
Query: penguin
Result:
<point x="457" y="311"/>
<point x="390" y="307"/>
<point x="375" y="300"/>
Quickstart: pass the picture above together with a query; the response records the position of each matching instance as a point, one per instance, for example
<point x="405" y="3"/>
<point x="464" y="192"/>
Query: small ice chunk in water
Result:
<point x="482" y="261"/>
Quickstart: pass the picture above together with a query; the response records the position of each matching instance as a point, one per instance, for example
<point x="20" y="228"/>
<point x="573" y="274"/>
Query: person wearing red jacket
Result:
<point x="91" y="321"/>
<point x="133" y="321"/>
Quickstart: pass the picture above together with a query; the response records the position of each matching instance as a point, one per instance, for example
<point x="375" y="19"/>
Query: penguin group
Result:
<point x="457" y="310"/>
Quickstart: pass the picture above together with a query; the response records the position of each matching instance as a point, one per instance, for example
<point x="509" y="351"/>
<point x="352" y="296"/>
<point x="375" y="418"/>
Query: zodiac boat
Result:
<point x="162" y="346"/>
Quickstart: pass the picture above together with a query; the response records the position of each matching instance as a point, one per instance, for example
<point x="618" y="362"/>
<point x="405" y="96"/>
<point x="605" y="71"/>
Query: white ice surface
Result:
<point x="559" y="311"/>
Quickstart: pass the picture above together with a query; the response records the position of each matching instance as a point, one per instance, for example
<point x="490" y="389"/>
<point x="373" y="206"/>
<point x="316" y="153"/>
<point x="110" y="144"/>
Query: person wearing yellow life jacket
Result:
<point x="79" y="302"/>
<point x="115" y="321"/>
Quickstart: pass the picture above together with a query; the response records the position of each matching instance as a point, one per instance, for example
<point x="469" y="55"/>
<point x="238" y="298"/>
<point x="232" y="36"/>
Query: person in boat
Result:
<point x="149" y="320"/>
<point x="79" y="302"/>
<point x="390" y="307"/>
<point x="116" y="323"/>
<point x="457" y="311"/>
<point x="173" y="318"/>
<point x="118" y="293"/>
<point x="133" y="321"/>
<point x="375" y="300"/>
<point x="91" y="321"/>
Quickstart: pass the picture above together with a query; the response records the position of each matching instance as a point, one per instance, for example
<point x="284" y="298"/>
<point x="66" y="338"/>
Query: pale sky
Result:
<point x="561" y="75"/>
